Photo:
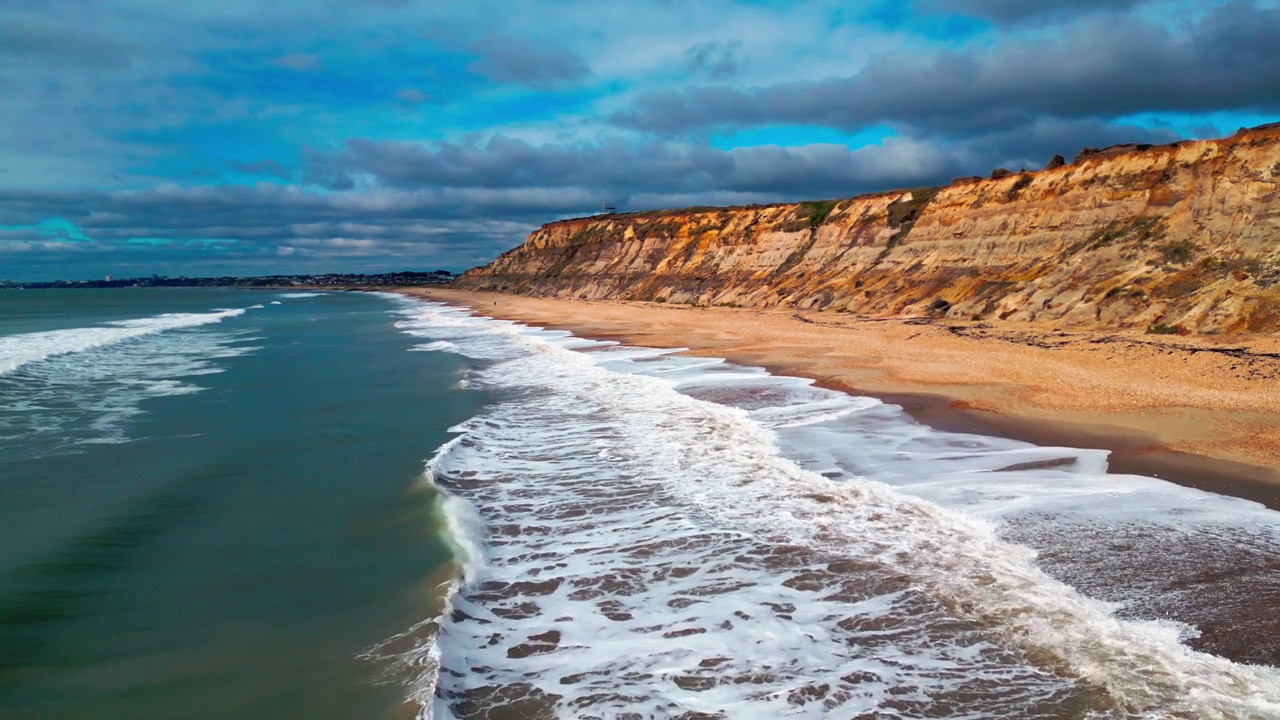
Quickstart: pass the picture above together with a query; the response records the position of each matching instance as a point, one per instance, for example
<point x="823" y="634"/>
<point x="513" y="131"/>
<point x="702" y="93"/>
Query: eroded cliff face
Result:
<point x="1182" y="236"/>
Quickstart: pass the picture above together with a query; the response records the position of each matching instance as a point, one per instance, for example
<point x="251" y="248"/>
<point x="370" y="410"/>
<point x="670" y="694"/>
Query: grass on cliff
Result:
<point x="903" y="215"/>
<point x="1141" y="230"/>
<point x="819" y="211"/>
<point x="1178" y="252"/>
<point x="809" y="215"/>
<point x="1024" y="180"/>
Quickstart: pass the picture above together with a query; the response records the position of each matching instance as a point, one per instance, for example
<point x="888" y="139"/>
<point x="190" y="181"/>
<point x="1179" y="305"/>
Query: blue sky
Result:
<point x="244" y="137"/>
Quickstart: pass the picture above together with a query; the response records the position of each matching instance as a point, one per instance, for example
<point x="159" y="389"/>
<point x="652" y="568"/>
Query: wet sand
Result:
<point x="1199" y="411"/>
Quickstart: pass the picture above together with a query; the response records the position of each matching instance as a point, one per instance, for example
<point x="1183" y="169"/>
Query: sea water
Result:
<point x="647" y="534"/>
<point x="270" y="505"/>
<point x="211" y="502"/>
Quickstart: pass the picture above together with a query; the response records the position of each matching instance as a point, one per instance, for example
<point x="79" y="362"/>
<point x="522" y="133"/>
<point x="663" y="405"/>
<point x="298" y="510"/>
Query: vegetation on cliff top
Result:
<point x="1148" y="238"/>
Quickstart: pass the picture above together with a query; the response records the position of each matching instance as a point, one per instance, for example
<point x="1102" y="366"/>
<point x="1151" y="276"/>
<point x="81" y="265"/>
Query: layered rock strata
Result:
<point x="1182" y="237"/>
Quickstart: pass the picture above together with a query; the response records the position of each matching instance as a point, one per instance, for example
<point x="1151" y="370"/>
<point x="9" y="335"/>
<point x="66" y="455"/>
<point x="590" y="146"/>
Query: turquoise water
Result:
<point x="213" y="514"/>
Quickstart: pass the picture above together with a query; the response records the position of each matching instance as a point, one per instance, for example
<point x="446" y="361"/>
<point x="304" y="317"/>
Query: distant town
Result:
<point x="437" y="277"/>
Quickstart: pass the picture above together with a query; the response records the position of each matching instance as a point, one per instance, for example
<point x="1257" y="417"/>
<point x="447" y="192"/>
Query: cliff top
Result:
<point x="1269" y="132"/>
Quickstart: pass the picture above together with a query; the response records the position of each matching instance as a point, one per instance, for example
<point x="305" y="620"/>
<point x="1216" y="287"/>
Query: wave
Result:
<point x="667" y="534"/>
<point x="24" y="349"/>
<point x="299" y="295"/>
<point x="82" y="386"/>
<point x="437" y="346"/>
<point x="414" y="656"/>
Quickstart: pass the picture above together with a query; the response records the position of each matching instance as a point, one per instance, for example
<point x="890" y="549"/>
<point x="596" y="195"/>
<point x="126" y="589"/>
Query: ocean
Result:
<point x="212" y="502"/>
<point x="352" y="505"/>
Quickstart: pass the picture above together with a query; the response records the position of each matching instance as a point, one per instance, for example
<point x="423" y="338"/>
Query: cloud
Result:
<point x="1017" y="11"/>
<point x="241" y="229"/>
<point x="261" y="167"/>
<point x="55" y="45"/>
<point x="717" y="60"/>
<point x="458" y="204"/>
<point x="518" y="61"/>
<point x="618" y="169"/>
<point x="1094" y="68"/>
<point x="636" y="105"/>
<point x="303" y="62"/>
<point x="1031" y="145"/>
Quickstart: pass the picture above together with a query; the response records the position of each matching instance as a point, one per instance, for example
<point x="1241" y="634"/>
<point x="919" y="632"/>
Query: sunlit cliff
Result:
<point x="1182" y="237"/>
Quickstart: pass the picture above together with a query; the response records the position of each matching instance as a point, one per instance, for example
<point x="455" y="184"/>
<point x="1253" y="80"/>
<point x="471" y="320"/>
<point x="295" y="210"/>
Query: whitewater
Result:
<point x="78" y="386"/>
<point x="23" y="349"/>
<point x="645" y="534"/>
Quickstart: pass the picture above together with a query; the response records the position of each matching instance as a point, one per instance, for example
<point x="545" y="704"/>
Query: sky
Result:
<point x="212" y="137"/>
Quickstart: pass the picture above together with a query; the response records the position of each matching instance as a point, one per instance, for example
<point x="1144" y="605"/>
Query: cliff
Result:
<point x="1182" y="236"/>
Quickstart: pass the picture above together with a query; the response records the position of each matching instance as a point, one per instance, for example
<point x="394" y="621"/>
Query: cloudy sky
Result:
<point x="242" y="136"/>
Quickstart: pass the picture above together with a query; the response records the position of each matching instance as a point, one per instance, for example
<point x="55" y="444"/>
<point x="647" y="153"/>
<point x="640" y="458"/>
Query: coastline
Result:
<point x="1197" y="411"/>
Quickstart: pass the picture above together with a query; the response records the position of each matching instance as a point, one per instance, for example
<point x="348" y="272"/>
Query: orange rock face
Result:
<point x="1182" y="237"/>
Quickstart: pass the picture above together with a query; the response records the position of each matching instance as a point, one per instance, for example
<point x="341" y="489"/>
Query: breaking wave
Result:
<point x="643" y="534"/>
<point x="19" y="350"/>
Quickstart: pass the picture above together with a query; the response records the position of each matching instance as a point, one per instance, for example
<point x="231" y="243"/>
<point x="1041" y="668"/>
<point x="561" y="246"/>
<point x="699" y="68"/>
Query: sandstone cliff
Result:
<point x="1183" y="236"/>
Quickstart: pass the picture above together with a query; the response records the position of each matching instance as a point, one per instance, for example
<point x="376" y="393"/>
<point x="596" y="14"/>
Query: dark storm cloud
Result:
<point x="1095" y="68"/>
<point x="521" y="62"/>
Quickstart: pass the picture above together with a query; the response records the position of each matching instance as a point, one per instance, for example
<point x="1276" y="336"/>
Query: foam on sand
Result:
<point x="667" y="535"/>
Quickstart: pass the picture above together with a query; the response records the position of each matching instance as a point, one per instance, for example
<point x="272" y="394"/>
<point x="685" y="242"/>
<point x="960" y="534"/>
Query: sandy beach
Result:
<point x="1200" y="411"/>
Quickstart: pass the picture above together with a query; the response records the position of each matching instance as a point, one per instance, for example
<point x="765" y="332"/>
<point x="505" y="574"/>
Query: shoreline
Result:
<point x="971" y="378"/>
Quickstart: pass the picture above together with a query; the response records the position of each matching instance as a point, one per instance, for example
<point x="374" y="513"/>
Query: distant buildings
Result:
<point x="394" y="279"/>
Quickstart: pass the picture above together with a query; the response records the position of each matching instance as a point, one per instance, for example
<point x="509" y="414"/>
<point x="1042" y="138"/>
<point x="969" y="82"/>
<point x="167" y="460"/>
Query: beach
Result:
<point x="1196" y="410"/>
<point x="474" y="517"/>
<point x="642" y="531"/>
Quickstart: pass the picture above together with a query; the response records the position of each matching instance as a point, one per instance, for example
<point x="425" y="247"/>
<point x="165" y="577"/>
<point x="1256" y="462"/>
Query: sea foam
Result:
<point x="667" y="535"/>
<point x="19" y="350"/>
<point x="82" y="385"/>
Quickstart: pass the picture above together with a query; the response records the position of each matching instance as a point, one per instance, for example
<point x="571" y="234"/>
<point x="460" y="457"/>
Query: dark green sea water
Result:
<point x="218" y="504"/>
<point x="213" y="520"/>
